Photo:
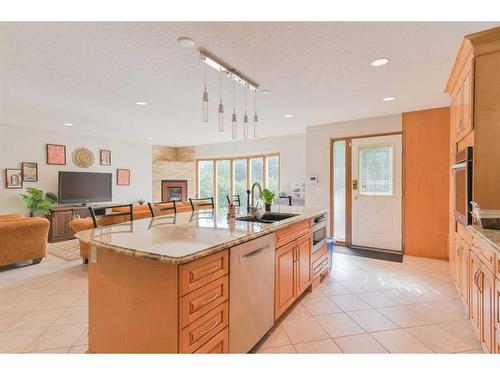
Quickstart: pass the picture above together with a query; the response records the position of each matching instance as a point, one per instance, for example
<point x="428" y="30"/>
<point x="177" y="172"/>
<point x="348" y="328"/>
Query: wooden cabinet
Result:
<point x="475" y="294"/>
<point x="60" y="218"/>
<point x="496" y="317"/>
<point x="293" y="273"/>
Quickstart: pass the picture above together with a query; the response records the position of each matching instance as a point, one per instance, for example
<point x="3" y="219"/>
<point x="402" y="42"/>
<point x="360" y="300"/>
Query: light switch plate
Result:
<point x="93" y="254"/>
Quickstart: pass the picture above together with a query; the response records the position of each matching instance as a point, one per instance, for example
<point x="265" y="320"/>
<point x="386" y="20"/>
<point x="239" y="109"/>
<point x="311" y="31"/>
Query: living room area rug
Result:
<point x="67" y="250"/>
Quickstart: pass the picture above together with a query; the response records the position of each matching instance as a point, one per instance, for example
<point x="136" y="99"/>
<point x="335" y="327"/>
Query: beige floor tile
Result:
<point x="58" y="301"/>
<point x="438" y="339"/>
<point x="368" y="285"/>
<point x="7" y="320"/>
<point x="296" y="312"/>
<point x="403" y="316"/>
<point x="20" y="304"/>
<point x="320" y="306"/>
<point x="81" y="301"/>
<point x="52" y="351"/>
<point x="84" y="338"/>
<point x="463" y="330"/>
<point x="377" y="299"/>
<point x="350" y="302"/>
<point x="73" y="316"/>
<point x="37" y="319"/>
<point x="400" y="341"/>
<point x="441" y="311"/>
<point x="277" y="337"/>
<point x="17" y="341"/>
<point x="304" y="330"/>
<point x="333" y="289"/>
<point x="338" y="325"/>
<point x="363" y="343"/>
<point x="58" y="337"/>
<point x="372" y="320"/>
<point x="474" y="351"/>
<point x="78" y="349"/>
<point x="322" y="346"/>
<point x="286" y="349"/>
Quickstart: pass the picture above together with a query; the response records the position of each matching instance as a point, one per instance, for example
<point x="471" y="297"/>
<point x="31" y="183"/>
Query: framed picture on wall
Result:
<point x="105" y="157"/>
<point x="13" y="179"/>
<point x="56" y="154"/>
<point x="123" y="176"/>
<point x="30" y="171"/>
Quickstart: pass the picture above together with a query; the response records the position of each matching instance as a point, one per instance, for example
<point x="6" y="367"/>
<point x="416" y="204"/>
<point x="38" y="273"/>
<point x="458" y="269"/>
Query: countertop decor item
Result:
<point x="36" y="202"/>
<point x="268" y="198"/>
<point x="83" y="157"/>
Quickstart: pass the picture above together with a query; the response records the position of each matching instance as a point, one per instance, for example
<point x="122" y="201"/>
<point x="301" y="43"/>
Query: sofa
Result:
<point x="22" y="238"/>
<point x="139" y="211"/>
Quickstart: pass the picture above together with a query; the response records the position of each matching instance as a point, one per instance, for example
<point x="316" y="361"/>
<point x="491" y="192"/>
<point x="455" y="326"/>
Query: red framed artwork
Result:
<point x="123" y="176"/>
<point x="56" y="154"/>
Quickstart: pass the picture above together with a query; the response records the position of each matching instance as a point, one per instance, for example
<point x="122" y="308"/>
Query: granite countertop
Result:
<point x="491" y="236"/>
<point x="187" y="236"/>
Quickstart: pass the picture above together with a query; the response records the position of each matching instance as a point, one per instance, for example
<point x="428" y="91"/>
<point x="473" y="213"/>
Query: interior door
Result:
<point x="376" y="180"/>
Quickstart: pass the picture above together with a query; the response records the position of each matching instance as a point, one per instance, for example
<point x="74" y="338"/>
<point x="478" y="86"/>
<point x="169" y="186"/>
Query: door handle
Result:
<point x="481" y="274"/>
<point x="354" y="184"/>
<point x="252" y="253"/>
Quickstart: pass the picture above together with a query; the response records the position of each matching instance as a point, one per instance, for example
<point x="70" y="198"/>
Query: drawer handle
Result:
<point x="208" y="272"/>
<point x="253" y="252"/>
<point x="205" y="332"/>
<point x="209" y="300"/>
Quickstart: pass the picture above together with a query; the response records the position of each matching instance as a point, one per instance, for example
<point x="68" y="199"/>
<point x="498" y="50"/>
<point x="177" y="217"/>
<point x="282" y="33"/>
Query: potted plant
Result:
<point x="141" y="201"/>
<point x="36" y="202"/>
<point x="268" y="198"/>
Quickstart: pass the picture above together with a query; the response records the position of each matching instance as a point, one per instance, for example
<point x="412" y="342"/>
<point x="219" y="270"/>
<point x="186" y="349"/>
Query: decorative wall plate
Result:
<point x="83" y="157"/>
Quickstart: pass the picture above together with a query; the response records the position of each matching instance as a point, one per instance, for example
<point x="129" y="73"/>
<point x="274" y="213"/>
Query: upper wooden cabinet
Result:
<point x="474" y="87"/>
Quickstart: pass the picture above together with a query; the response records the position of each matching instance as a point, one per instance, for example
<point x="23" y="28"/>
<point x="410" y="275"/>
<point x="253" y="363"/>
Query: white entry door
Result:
<point x="376" y="165"/>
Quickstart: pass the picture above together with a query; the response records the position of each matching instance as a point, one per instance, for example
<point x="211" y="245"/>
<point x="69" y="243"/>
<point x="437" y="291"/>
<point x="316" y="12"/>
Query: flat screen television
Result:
<point x="84" y="187"/>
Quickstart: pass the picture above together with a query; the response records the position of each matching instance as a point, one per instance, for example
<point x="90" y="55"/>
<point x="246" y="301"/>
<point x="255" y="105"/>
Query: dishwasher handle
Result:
<point x="252" y="253"/>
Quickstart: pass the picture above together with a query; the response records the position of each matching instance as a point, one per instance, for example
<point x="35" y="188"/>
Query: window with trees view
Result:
<point x="219" y="178"/>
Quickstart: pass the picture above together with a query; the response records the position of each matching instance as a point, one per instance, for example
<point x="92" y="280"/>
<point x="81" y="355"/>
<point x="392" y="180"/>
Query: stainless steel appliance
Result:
<point x="462" y="172"/>
<point x="251" y="292"/>
<point x="319" y="232"/>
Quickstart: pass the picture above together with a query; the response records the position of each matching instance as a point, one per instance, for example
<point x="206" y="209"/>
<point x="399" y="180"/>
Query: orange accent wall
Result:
<point x="426" y="182"/>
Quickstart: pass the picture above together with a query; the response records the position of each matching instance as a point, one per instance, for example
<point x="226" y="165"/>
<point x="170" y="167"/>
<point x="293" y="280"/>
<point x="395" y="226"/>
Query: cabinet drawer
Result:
<point x="219" y="344"/>
<point x="485" y="252"/>
<point x="320" y="265"/>
<point x="318" y="254"/>
<point x="196" y="304"/>
<point x="198" y="333"/>
<point x="197" y="273"/>
<point x="292" y="232"/>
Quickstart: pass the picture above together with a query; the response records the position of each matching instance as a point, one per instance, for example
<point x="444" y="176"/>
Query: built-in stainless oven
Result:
<point x="319" y="232"/>
<point x="462" y="176"/>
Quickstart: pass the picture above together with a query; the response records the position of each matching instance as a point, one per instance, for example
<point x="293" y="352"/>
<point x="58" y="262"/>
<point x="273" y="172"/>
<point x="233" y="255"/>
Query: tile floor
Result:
<point x="365" y="306"/>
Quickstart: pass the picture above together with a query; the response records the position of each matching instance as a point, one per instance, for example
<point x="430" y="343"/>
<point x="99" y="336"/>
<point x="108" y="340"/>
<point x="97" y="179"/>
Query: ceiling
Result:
<point x="91" y="74"/>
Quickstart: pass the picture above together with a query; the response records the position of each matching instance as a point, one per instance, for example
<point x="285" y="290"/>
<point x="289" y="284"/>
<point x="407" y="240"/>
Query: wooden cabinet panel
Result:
<point x="217" y="345"/>
<point x="455" y="261"/>
<point x="464" y="274"/>
<point x="195" y="274"/>
<point x="292" y="232"/>
<point x="467" y="95"/>
<point x="285" y="286"/>
<point x="496" y="336"/>
<point x="486" y="282"/>
<point x="485" y="253"/>
<point x="303" y="264"/>
<point x="475" y="294"/>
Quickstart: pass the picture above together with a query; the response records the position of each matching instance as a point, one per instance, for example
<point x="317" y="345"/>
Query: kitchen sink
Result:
<point x="268" y="217"/>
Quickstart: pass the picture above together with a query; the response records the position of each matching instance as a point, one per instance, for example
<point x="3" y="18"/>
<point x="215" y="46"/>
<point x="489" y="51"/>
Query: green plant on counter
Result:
<point x="36" y="202"/>
<point x="268" y="196"/>
<point x="141" y="201"/>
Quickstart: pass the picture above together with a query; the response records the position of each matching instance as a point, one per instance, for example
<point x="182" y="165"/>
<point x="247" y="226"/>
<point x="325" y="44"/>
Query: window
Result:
<point x="339" y="190"/>
<point x="205" y="179"/>
<point x="223" y="180"/>
<point x="219" y="178"/>
<point x="376" y="170"/>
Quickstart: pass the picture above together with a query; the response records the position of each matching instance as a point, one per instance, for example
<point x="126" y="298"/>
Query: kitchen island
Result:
<point x="168" y="284"/>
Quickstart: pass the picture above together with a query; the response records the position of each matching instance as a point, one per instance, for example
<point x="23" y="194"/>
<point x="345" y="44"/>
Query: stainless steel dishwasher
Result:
<point x="251" y="292"/>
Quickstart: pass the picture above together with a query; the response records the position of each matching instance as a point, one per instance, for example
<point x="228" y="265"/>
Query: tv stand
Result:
<point x="60" y="217"/>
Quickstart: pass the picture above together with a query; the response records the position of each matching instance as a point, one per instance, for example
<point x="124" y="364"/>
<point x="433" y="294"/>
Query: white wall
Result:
<point x="318" y="150"/>
<point x="290" y="147"/>
<point x="18" y="144"/>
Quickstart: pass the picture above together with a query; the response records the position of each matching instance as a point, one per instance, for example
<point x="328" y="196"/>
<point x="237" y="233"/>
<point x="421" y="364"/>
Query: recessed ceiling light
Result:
<point x="389" y="99"/>
<point x="289" y="115"/>
<point x="185" y="42"/>
<point x="380" y="61"/>
<point x="265" y="92"/>
<point x="141" y="103"/>
<point x="68" y="124"/>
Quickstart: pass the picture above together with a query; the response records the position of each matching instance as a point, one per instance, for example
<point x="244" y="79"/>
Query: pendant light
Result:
<point x="245" y="118"/>
<point x="221" y="106"/>
<point x="205" y="96"/>
<point x="234" y="118"/>
<point x="255" y="118"/>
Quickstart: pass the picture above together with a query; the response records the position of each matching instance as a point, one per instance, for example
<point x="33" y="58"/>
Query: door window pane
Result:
<point x="223" y="179"/>
<point x="205" y="178"/>
<point x="273" y="173"/>
<point x="339" y="197"/>
<point x="257" y="171"/>
<point x="240" y="180"/>
<point x="376" y="170"/>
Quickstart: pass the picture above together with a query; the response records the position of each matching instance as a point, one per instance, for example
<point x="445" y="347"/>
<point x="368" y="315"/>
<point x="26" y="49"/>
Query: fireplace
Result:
<point x="174" y="190"/>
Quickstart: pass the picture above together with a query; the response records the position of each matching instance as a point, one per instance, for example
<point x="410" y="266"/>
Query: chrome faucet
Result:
<point x="254" y="210"/>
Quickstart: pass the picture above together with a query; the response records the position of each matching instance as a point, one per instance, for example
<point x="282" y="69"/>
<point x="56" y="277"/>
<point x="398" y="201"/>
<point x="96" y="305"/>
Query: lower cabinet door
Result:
<point x="497" y="317"/>
<point x="303" y="263"/>
<point x="464" y="275"/>
<point x="219" y="344"/>
<point x="487" y="287"/>
<point x="285" y="286"/>
<point x="475" y="293"/>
